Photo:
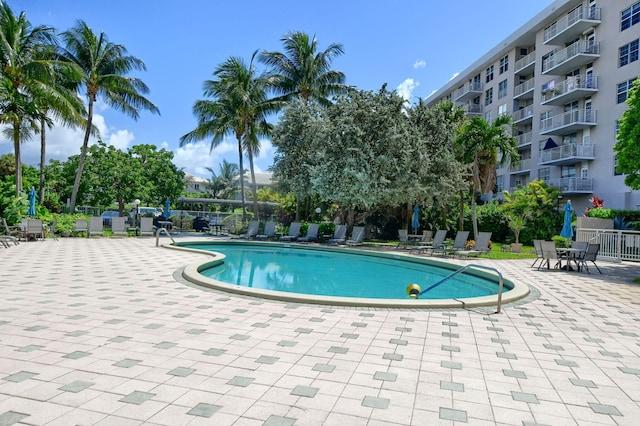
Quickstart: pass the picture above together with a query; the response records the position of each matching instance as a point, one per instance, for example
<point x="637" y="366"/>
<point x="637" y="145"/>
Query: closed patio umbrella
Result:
<point x="167" y="207"/>
<point x="32" y="202"/>
<point x="567" y="230"/>
<point x="415" y="224"/>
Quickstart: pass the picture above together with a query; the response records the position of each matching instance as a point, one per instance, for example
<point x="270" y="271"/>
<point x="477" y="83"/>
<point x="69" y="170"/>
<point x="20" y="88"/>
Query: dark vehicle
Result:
<point x="200" y="224"/>
<point x="107" y="215"/>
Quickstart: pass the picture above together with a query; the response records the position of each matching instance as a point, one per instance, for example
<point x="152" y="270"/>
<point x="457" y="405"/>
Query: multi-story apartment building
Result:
<point x="564" y="77"/>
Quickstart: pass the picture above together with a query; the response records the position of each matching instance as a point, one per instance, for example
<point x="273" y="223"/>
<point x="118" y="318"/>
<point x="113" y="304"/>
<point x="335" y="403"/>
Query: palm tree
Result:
<point x="223" y="184"/>
<point x="240" y="107"/>
<point x="302" y="71"/>
<point x="29" y="94"/>
<point x="104" y="66"/>
<point x="480" y="143"/>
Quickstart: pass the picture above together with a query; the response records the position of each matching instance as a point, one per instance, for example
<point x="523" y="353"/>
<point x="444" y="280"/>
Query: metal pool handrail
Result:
<point x="160" y="231"/>
<point x="463" y="269"/>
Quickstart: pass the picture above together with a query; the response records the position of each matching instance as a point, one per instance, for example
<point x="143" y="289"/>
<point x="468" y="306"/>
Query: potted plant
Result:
<point x="516" y="221"/>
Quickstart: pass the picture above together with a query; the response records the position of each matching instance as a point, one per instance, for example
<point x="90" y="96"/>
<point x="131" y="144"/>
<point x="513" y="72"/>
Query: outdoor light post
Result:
<point x="136" y="202"/>
<point x="318" y="211"/>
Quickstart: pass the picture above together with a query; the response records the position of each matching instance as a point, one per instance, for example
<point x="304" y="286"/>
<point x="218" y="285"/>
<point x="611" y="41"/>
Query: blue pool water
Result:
<point x="331" y="273"/>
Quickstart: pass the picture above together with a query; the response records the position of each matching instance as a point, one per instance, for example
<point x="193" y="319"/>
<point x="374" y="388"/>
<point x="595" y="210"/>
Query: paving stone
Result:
<point x="585" y="383"/>
<point x="287" y="343"/>
<point x="76" y="386"/>
<point x="29" y="348"/>
<point x="349" y="336"/>
<point x="393" y="357"/>
<point x="375" y="402"/>
<point x="20" y="376"/>
<point x="306" y="391"/>
<point x="605" y="409"/>
<point x="450" y="335"/>
<point x="399" y="342"/>
<point x="449" y="348"/>
<point x="76" y="355"/>
<point x="304" y="330"/>
<point x="240" y="337"/>
<point x="12" y="417"/>
<point x="127" y="363"/>
<point x="385" y="376"/>
<point x="181" y="371"/>
<point x="514" y="373"/>
<point x="196" y="331"/>
<point x="267" y="359"/>
<point x="525" y="397"/>
<point x="165" y="345"/>
<point x="452" y="386"/>
<point x="611" y="354"/>
<point x="452" y="365"/>
<point x="506" y="355"/>
<point x="273" y="420"/>
<point x="241" y="381"/>
<point x="553" y="347"/>
<point x="567" y="363"/>
<point x="338" y="350"/>
<point x="137" y="397"/>
<point x="451" y="414"/>
<point x="214" y="352"/>
<point x="119" y="339"/>
<point x="324" y="368"/>
<point x="204" y="410"/>
<point x="628" y="370"/>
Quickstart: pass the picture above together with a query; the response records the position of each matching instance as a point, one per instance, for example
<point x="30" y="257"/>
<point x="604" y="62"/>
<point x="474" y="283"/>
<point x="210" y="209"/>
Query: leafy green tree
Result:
<point x="104" y="67"/>
<point x="627" y="147"/>
<point x="160" y="178"/>
<point x="29" y="94"/>
<point x="480" y="144"/>
<point x="240" y="107"/>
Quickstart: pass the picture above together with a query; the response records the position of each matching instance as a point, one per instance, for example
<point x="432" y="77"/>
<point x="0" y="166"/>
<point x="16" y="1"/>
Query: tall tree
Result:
<point x="223" y="183"/>
<point x="104" y="66"/>
<point x="29" y="94"/>
<point x="303" y="71"/>
<point x="240" y="106"/>
<point x="627" y="147"/>
<point x="481" y="144"/>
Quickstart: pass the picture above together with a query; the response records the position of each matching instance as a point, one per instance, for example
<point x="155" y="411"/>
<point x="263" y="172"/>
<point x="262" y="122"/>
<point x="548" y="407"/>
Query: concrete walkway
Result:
<point x="99" y="332"/>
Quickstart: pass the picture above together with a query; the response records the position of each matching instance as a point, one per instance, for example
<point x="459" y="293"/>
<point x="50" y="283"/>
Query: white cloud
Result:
<point x="455" y="74"/>
<point x="406" y="88"/>
<point x="121" y="139"/>
<point x="420" y="64"/>
<point x="194" y="158"/>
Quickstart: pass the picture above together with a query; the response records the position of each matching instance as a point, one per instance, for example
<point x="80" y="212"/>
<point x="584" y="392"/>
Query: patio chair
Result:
<point x="294" y="232"/>
<point x="95" y="226"/>
<point x="146" y="226"/>
<point x="34" y="228"/>
<point x="252" y="230"/>
<point x="339" y="235"/>
<point x="11" y="231"/>
<point x="357" y="236"/>
<point x="52" y="229"/>
<point x="437" y="243"/>
<point x="590" y="255"/>
<point x="483" y="241"/>
<point x="403" y="238"/>
<point x="459" y="243"/>
<point x="549" y="253"/>
<point x="538" y="249"/>
<point x="312" y="234"/>
<point x="118" y="226"/>
<point x="81" y="226"/>
<point x="269" y="231"/>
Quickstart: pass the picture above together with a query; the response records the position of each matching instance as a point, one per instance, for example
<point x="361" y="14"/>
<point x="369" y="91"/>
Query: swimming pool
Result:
<point x="337" y="276"/>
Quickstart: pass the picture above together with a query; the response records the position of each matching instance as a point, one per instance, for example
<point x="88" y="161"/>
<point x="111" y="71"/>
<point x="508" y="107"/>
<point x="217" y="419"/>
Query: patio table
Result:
<point x="569" y="254"/>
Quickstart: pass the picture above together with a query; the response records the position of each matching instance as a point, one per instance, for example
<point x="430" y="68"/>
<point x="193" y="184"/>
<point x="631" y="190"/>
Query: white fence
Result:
<point x="615" y="245"/>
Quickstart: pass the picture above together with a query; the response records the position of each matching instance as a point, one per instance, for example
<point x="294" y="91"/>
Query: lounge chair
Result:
<point x="481" y="247"/>
<point x="312" y="234"/>
<point x="294" y="232"/>
<point x="339" y="235"/>
<point x="357" y="236"/>
<point x="11" y="231"/>
<point x="549" y="253"/>
<point x="81" y="226"/>
<point x="95" y="226"/>
<point x="590" y="255"/>
<point x="437" y="243"/>
<point x="459" y="243"/>
<point x="118" y="226"/>
<point x="538" y="249"/>
<point x="52" y="229"/>
<point x="252" y="230"/>
<point x="269" y="231"/>
<point x="146" y="226"/>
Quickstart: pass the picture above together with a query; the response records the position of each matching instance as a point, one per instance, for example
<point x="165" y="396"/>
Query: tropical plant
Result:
<point x="481" y="144"/>
<point x="240" y="107"/>
<point x="627" y="148"/>
<point x="223" y="184"/>
<point x="104" y="67"/>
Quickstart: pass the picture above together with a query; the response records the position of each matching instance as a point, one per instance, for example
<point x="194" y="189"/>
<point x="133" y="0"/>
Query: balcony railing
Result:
<point x="574" y="87"/>
<point x="524" y="139"/>
<point x="573" y="185"/>
<point x="571" y="57"/>
<point x="571" y="25"/>
<point x="568" y="122"/>
<point x="469" y="91"/>
<point x="523" y="114"/>
<point x="566" y="154"/>
<point x="472" y="109"/>
<point x="525" y="63"/>
<point x="523" y="166"/>
<point x="523" y="89"/>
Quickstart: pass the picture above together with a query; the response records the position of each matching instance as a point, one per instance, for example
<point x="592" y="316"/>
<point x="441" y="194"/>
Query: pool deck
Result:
<point x="102" y="332"/>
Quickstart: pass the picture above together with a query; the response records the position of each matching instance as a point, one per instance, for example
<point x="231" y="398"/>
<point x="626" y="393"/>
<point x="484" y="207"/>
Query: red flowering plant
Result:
<point x="597" y="203"/>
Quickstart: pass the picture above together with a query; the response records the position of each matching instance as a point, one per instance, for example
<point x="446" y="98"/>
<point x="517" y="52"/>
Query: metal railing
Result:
<point x="525" y="61"/>
<point x="165" y="231"/>
<point x="578" y="14"/>
<point x="464" y="269"/>
<point x="573" y="184"/>
<point x="525" y="138"/>
<point x="572" y="83"/>
<point x="523" y="87"/>
<point x="577" y="116"/>
<point x="521" y="114"/>
<point x="568" y="150"/>
<point x="615" y="244"/>
<point x="581" y="47"/>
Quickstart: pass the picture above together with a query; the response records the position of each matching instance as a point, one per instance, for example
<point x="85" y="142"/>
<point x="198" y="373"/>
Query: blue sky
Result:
<point x="415" y="46"/>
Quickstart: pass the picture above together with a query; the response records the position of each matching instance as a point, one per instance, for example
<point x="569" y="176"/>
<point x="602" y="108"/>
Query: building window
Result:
<point x="502" y="89"/>
<point x="488" y="97"/>
<point x="502" y="109"/>
<point x="628" y="53"/>
<point x="630" y="16"/>
<point x="623" y="90"/>
<point x="504" y="64"/>
<point x="489" y="74"/>
<point x="499" y="184"/>
<point x="616" y="172"/>
<point x="487" y="116"/>
<point x="544" y="174"/>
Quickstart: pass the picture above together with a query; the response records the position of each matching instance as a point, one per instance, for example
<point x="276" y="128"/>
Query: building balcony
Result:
<point x="568" y="122"/>
<point x="472" y="109"/>
<point x="572" y="57"/>
<point x="565" y="154"/>
<point x="572" y="25"/>
<point x="523" y="167"/>
<point x="573" y="185"/>
<point x="523" y="115"/>
<point x="468" y="92"/>
<point x="524" y="90"/>
<point x="524" y="140"/>
<point x="526" y="64"/>
<point x="569" y="90"/>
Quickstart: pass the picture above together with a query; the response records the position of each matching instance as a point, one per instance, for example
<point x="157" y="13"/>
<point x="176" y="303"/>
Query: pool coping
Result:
<point x="191" y="273"/>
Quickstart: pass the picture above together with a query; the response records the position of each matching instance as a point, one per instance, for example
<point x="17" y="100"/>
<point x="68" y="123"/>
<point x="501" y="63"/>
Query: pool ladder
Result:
<point x="160" y="231"/>
<point x="463" y="269"/>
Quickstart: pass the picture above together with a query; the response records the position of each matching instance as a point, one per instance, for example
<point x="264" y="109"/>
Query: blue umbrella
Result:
<point x="416" y="218"/>
<point x="32" y="202"/>
<point x="167" y="207"/>
<point x="567" y="230"/>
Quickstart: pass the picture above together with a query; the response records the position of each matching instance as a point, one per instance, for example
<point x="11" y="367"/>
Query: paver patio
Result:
<point x="103" y="331"/>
